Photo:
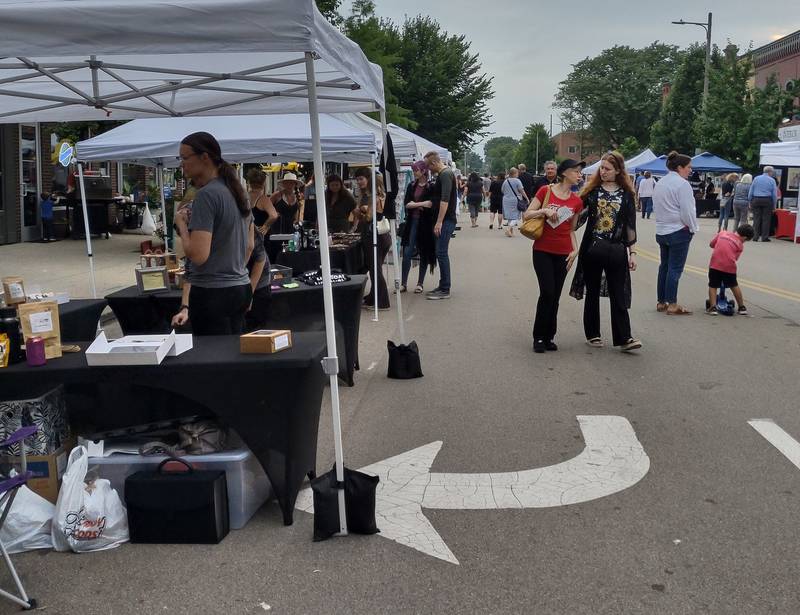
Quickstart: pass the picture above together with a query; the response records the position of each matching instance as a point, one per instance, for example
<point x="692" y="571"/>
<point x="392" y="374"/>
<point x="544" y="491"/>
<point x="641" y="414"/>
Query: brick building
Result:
<point x="780" y="58"/>
<point x="571" y="144"/>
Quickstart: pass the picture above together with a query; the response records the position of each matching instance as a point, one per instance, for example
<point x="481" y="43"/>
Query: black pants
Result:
<point x="48" y="231"/>
<point x="551" y="271"/>
<point x="384" y="244"/>
<point x="611" y="258"/>
<point x="218" y="311"/>
<point x="258" y="315"/>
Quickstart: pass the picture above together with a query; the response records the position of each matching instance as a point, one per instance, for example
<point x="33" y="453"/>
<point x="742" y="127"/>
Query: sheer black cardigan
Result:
<point x="624" y="232"/>
<point x="426" y="240"/>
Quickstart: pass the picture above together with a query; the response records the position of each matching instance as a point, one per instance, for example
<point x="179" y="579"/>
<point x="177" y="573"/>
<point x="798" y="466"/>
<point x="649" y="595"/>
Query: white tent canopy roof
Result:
<point x="243" y="138"/>
<point x="405" y="147"/>
<point x="786" y="154"/>
<point x="73" y="60"/>
<point x="630" y="165"/>
<point x="423" y="145"/>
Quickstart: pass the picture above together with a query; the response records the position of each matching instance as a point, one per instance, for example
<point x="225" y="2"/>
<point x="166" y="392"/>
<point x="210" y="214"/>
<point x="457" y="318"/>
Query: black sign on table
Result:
<point x="297" y="309"/>
<point x="79" y="318"/>
<point x="272" y="401"/>
<point x="349" y="260"/>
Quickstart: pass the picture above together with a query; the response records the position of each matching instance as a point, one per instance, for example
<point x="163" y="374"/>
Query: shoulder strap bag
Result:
<point x="534" y="227"/>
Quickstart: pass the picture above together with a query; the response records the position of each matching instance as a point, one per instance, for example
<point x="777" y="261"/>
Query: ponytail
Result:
<point x="675" y="160"/>
<point x="231" y="178"/>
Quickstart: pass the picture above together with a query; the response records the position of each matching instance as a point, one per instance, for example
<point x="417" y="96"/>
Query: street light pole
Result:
<point x="707" y="27"/>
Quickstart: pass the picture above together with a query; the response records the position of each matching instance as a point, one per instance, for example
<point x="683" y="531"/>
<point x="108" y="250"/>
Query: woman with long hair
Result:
<point x="217" y="237"/>
<point x="286" y="201"/>
<point x="418" y="230"/>
<point x="496" y="200"/>
<point x="556" y="250"/>
<point x="363" y="222"/>
<point x="473" y="192"/>
<point x="340" y="204"/>
<point x="264" y="212"/>
<point x="726" y="201"/>
<point x="607" y="249"/>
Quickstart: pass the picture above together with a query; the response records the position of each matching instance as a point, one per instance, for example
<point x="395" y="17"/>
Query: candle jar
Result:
<point x="34" y="350"/>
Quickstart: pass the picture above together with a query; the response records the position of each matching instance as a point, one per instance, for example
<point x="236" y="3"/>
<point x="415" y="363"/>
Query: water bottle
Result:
<point x="296" y="241"/>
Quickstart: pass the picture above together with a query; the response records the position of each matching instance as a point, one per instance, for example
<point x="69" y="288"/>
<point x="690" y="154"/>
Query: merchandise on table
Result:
<point x="278" y="274"/>
<point x="265" y="341"/>
<point x="42" y="320"/>
<point x="5" y="349"/>
<point x="152" y="279"/>
<point x="13" y="290"/>
<point x="315" y="278"/>
<point x="137" y="349"/>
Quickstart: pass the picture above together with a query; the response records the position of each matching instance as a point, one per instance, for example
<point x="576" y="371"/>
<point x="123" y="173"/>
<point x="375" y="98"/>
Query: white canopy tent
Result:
<point x="405" y="148"/>
<point x="423" y="145"/>
<point x="641" y="158"/>
<point x="786" y="154"/>
<point x="111" y="59"/>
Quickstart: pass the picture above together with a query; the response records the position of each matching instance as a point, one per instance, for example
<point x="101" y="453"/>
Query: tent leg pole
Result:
<point x="331" y="362"/>
<point x="160" y="171"/>
<point x="85" y="208"/>
<point x="374" y="238"/>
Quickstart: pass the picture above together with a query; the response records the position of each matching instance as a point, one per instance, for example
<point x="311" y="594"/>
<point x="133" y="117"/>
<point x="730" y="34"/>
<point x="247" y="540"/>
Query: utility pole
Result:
<point x="707" y="27"/>
<point x="537" y="152"/>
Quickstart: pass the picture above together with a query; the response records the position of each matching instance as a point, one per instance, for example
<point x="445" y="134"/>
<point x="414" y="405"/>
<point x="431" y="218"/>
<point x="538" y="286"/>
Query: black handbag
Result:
<point x="359" y="503"/>
<point x="404" y="362"/>
<point x="521" y="204"/>
<point x="186" y="507"/>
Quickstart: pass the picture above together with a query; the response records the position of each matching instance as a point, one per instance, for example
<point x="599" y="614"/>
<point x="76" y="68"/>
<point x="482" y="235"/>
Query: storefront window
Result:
<point x="29" y="155"/>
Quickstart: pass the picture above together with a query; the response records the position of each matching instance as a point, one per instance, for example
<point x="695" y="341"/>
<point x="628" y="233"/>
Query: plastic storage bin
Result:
<point x="248" y="485"/>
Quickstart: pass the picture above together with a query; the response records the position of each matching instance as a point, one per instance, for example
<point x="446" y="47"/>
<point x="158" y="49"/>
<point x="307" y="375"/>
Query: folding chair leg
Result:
<point x="23" y="600"/>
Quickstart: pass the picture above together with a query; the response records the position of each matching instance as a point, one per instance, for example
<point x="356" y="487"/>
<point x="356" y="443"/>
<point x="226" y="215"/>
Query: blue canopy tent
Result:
<point x="656" y="167"/>
<point x="711" y="163"/>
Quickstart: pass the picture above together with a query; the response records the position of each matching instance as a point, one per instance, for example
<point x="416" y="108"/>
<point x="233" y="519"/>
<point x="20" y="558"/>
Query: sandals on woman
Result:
<point x="631" y="344"/>
<point x="679" y="310"/>
<point x="661" y="307"/>
<point x="595" y="342"/>
<point x="418" y="290"/>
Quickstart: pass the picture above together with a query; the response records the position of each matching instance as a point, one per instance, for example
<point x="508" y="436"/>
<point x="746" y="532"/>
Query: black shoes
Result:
<point x="551" y="346"/>
<point x="539" y="346"/>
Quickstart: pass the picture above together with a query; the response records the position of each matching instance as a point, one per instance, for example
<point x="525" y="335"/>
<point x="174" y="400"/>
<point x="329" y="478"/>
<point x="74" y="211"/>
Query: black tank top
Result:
<point x="286" y="215"/>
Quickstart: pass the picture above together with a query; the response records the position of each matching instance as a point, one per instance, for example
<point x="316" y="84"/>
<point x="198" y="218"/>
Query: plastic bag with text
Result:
<point x="27" y="525"/>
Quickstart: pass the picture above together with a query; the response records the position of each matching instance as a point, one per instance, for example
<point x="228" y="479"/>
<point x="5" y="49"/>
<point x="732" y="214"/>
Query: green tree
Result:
<point x="764" y="110"/>
<point x="534" y="139"/>
<point x="617" y="94"/>
<point x="330" y="10"/>
<point x="500" y="153"/>
<point x="380" y="41"/>
<point x="674" y="128"/>
<point x="474" y="162"/>
<point x="630" y="147"/>
<point x="444" y="87"/>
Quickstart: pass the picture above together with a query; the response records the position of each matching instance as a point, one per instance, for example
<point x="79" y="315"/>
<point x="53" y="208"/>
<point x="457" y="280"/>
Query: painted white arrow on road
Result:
<point x="612" y="460"/>
<point x="776" y="436"/>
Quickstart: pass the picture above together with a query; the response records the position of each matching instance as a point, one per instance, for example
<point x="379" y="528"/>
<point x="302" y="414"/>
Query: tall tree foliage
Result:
<point x="500" y="153"/>
<point x="444" y="87"/>
<point x="617" y="94"/>
<point x="526" y="151"/>
<point x="674" y="128"/>
<point x="330" y="10"/>
<point x="765" y="108"/>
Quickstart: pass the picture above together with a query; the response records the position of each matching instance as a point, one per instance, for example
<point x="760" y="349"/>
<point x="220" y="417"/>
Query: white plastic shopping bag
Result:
<point x="89" y="516"/>
<point x="148" y="222"/>
<point x="27" y="525"/>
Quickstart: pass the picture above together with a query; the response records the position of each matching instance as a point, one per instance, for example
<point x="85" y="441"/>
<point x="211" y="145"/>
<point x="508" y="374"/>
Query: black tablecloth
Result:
<point x="348" y="260"/>
<point x="79" y="319"/>
<point x="272" y="401"/>
<point x="707" y="206"/>
<point x="297" y="309"/>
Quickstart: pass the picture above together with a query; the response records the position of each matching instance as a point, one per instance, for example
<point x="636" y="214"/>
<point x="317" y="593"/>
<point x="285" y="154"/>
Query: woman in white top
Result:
<point x="676" y="224"/>
<point x="514" y="197"/>
<point x="646" y="187"/>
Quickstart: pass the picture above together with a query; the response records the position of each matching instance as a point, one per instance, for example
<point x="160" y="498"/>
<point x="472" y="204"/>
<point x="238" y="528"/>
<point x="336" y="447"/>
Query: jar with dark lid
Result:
<point x="9" y="324"/>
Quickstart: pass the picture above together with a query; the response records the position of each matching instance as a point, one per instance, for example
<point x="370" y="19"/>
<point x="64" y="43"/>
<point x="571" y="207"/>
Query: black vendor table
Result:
<point x="271" y="400"/>
<point x="79" y="318"/>
<point x="297" y="309"/>
<point x="707" y="206"/>
<point x="349" y="260"/>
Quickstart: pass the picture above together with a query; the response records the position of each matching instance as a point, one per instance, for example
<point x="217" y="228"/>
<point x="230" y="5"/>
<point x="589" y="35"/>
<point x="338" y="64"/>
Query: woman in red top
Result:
<point x="556" y="250"/>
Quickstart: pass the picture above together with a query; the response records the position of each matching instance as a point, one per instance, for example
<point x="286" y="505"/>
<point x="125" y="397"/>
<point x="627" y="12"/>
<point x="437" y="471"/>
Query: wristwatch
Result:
<point x="184" y="307"/>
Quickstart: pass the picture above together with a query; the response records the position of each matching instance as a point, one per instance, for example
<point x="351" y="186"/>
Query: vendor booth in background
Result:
<point x="785" y="159"/>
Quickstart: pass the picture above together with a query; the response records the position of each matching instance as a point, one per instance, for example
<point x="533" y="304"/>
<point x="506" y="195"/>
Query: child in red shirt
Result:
<point x="728" y="248"/>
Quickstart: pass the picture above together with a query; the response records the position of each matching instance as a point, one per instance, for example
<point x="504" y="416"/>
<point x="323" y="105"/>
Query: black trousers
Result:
<point x="258" y="315"/>
<point x="551" y="271"/>
<point x="218" y="311"/>
<point x="611" y="259"/>
<point x="384" y="245"/>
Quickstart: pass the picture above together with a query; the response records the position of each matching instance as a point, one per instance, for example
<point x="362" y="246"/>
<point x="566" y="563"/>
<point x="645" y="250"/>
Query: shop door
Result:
<point x="30" y="180"/>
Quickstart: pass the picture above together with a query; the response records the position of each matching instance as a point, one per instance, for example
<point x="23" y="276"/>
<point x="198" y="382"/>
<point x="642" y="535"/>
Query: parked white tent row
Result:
<point x="641" y="158"/>
<point x="405" y="148"/>
<point x="187" y="57"/>
<point x="423" y="145"/>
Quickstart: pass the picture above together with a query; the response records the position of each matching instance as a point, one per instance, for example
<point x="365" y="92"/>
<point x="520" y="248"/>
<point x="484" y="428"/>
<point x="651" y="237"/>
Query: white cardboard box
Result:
<point x="137" y="349"/>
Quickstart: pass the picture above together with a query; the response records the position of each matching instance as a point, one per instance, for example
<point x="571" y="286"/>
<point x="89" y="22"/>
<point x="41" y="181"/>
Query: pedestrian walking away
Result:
<point x="646" y="185"/>
<point x="676" y="224"/>
<point x="515" y="200"/>
<point x="727" y="248"/>
<point x="496" y="200"/>
<point x="726" y="201"/>
<point x="445" y="203"/>
<point x="473" y="193"/>
<point x="741" y="200"/>
<point x="607" y="250"/>
<point x="763" y="197"/>
<point x="418" y="234"/>
<point x="556" y="249"/>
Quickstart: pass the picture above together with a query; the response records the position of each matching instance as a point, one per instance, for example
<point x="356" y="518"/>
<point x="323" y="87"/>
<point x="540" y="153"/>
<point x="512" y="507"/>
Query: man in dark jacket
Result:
<point x="528" y="180"/>
<point x="549" y="177"/>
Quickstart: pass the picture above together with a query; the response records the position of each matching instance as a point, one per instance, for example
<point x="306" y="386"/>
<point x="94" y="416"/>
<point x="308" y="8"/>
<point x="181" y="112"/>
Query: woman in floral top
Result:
<point x="607" y="249"/>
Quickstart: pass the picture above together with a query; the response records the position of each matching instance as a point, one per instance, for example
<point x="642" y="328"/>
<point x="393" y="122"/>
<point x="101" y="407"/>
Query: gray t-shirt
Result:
<point x="259" y="255"/>
<point x="214" y="210"/>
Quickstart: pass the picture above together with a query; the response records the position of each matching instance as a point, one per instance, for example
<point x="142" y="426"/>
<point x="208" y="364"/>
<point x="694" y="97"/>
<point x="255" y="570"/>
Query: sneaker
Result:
<point x="439" y="294"/>
<point x="538" y="346"/>
<point x="767" y="239"/>
<point x="712" y="310"/>
<point x="743" y="311"/>
<point x="631" y="344"/>
<point x="551" y="346"/>
<point x="433" y="292"/>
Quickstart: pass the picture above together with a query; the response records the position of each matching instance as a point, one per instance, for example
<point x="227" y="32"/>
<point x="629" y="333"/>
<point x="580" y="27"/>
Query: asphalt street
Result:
<point x="711" y="528"/>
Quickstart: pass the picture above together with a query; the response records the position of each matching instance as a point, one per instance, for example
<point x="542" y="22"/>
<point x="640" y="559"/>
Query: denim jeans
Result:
<point x="647" y="206"/>
<point x="408" y="253"/>
<point x="674" y="250"/>
<point x="725" y="213"/>
<point x="442" y="257"/>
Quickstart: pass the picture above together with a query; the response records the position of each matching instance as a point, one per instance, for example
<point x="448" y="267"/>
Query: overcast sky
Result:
<point x="529" y="46"/>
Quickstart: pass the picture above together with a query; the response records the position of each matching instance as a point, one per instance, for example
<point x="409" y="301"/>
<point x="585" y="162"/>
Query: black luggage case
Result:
<point x="187" y="507"/>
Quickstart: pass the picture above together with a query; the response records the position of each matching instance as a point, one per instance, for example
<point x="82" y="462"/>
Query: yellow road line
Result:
<point x="770" y="290"/>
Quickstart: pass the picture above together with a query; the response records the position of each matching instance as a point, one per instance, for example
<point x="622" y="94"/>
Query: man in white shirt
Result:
<point x="646" y="187"/>
<point x="676" y="224"/>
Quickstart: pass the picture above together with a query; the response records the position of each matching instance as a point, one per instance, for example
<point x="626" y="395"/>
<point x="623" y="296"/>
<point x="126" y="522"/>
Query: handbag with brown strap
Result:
<point x="533" y="228"/>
